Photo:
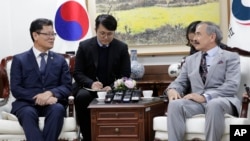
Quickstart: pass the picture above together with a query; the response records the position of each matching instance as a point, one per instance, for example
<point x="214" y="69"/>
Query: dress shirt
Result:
<point x="210" y="56"/>
<point x="101" y="45"/>
<point x="38" y="57"/>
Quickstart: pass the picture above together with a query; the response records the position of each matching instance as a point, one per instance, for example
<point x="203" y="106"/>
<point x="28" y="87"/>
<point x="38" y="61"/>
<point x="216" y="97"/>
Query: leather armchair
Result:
<point x="10" y="128"/>
<point x="195" y="126"/>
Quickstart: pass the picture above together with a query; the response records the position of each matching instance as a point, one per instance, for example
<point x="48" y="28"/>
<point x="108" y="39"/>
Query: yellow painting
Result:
<point x="157" y="22"/>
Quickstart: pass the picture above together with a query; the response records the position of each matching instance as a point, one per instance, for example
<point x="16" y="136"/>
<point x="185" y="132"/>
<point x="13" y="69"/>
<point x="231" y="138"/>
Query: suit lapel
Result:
<point x="94" y="48"/>
<point x="214" y="65"/>
<point x="32" y="61"/>
<point x="110" y="57"/>
<point x="198" y="62"/>
<point x="49" y="64"/>
<point x="50" y="61"/>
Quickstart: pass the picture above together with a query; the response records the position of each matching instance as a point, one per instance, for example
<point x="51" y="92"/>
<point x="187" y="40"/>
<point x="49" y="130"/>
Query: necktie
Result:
<point x="43" y="63"/>
<point x="203" y="67"/>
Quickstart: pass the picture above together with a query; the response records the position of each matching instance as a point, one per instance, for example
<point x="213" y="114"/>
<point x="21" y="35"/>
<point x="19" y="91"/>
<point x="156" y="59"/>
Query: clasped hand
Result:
<point x="173" y="95"/>
<point x="45" y="98"/>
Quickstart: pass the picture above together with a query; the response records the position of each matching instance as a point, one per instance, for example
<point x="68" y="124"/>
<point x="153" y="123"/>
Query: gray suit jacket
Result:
<point x="223" y="78"/>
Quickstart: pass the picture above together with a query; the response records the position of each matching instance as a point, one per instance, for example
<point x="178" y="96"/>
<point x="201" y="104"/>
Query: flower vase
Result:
<point x="137" y="69"/>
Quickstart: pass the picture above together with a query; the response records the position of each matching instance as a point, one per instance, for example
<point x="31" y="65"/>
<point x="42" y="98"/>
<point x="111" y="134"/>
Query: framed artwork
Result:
<point x="158" y="26"/>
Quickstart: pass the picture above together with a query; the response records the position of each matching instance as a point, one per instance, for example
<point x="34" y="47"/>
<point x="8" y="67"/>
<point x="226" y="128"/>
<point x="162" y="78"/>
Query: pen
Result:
<point x="97" y="78"/>
<point x="99" y="82"/>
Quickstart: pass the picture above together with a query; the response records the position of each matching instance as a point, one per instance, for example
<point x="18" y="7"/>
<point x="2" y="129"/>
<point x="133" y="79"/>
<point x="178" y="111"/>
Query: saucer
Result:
<point x="99" y="99"/>
<point x="147" y="98"/>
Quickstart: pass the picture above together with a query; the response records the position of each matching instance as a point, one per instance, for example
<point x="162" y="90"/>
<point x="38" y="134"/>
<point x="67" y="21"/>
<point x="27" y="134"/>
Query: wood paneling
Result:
<point x="156" y="78"/>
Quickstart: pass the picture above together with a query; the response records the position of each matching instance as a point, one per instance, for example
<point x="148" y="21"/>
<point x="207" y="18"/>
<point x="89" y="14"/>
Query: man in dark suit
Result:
<point x="99" y="62"/>
<point x="40" y="92"/>
<point x="213" y="74"/>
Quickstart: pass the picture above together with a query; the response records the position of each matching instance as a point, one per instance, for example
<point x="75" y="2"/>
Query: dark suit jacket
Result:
<point x="26" y="81"/>
<point x="86" y="62"/>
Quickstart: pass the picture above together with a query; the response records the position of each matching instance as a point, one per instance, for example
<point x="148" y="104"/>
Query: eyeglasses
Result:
<point x="104" y="34"/>
<point x="47" y="34"/>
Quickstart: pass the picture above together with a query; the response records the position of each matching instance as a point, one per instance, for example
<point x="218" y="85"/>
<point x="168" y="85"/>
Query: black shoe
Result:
<point x="196" y="139"/>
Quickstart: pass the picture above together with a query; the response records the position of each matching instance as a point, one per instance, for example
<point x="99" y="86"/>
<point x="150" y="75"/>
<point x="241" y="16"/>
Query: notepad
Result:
<point x="93" y="90"/>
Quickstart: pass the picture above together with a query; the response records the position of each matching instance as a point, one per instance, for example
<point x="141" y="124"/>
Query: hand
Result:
<point x="97" y="85"/>
<point x="173" y="94"/>
<point x="107" y="88"/>
<point x="41" y="98"/>
<point x="51" y="100"/>
<point x="195" y="97"/>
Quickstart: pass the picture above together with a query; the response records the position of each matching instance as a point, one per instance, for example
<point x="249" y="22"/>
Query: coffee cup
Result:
<point x="147" y="93"/>
<point x="101" y="95"/>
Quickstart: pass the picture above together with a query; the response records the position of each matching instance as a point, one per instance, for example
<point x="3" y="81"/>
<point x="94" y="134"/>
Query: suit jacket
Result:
<point x="86" y="62"/>
<point x="223" y="78"/>
<point x="26" y="81"/>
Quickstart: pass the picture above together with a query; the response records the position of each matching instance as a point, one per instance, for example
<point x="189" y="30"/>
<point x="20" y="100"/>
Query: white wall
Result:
<point x="5" y="28"/>
<point x="16" y="16"/>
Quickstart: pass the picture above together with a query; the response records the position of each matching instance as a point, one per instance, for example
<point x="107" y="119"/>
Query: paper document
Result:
<point x="92" y="90"/>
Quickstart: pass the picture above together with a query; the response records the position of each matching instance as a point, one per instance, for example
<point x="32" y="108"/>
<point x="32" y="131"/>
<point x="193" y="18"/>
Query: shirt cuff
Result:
<point x="166" y="91"/>
<point x="207" y="97"/>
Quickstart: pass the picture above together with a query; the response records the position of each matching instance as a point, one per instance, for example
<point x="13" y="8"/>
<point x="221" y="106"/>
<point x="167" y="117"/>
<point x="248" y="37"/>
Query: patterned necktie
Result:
<point x="43" y="63"/>
<point x="203" y="67"/>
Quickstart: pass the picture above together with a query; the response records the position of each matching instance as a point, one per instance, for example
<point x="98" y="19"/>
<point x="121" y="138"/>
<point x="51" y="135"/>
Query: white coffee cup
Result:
<point x="101" y="95"/>
<point x="147" y="93"/>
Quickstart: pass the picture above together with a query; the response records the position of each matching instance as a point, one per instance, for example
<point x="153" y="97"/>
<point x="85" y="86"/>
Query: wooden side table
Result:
<point x="125" y="121"/>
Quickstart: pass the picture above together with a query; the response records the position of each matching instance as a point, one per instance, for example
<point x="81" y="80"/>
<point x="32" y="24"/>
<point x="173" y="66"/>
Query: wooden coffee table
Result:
<point x="125" y="121"/>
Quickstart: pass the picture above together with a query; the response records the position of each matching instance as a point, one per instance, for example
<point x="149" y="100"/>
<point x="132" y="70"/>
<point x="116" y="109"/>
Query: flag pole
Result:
<point x="228" y="12"/>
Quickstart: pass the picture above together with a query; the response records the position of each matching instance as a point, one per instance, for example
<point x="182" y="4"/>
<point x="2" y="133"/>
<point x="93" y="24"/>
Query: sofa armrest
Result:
<point x="166" y="103"/>
<point x="4" y="83"/>
<point x="71" y="106"/>
<point x="244" y="108"/>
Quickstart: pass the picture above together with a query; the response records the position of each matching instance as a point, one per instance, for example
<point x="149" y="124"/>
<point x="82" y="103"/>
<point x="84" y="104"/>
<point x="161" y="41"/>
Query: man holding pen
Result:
<point x="99" y="62"/>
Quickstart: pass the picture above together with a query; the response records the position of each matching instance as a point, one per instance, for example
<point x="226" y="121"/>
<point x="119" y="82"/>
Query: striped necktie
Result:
<point x="43" y="63"/>
<point x="203" y="67"/>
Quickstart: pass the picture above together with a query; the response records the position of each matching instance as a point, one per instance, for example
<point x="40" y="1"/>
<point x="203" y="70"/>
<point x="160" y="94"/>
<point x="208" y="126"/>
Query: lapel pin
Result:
<point x="220" y="62"/>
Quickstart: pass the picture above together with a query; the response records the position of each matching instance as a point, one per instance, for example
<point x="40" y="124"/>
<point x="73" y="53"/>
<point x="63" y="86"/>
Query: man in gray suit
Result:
<point x="189" y="95"/>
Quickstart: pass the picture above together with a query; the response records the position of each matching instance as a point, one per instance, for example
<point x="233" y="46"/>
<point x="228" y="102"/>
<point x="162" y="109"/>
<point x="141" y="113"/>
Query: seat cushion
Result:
<point x="9" y="121"/>
<point x="196" y="124"/>
<point x="195" y="127"/>
<point x="8" y="116"/>
<point x="7" y="127"/>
